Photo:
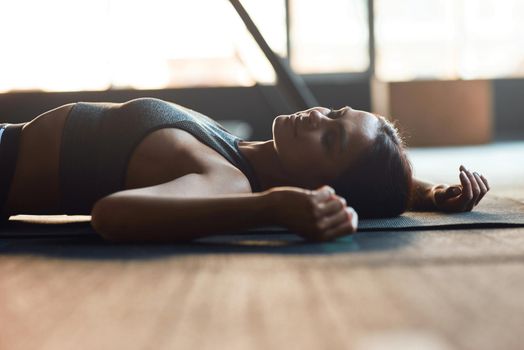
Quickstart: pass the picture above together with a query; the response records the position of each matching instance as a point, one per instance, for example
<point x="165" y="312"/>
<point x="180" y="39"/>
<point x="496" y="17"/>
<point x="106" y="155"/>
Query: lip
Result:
<point x="295" y="124"/>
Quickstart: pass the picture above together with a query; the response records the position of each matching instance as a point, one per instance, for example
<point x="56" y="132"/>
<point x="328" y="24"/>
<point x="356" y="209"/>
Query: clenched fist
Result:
<point x="318" y="215"/>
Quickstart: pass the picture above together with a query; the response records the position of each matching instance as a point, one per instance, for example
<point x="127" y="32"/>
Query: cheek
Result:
<point x="312" y="155"/>
<point x="305" y="152"/>
<point x="312" y="142"/>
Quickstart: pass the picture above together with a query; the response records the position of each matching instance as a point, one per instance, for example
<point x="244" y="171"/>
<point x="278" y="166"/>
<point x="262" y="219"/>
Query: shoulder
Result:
<point x="170" y="155"/>
<point x="217" y="171"/>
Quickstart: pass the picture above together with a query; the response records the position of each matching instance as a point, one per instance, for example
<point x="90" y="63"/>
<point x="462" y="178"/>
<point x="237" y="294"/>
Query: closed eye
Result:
<point x="333" y="114"/>
<point x="329" y="138"/>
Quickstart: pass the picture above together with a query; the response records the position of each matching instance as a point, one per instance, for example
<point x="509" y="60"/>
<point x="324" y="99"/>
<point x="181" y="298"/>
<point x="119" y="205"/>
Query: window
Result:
<point x="329" y="36"/>
<point x="64" y="45"/>
<point x="67" y="45"/>
<point x="449" y="39"/>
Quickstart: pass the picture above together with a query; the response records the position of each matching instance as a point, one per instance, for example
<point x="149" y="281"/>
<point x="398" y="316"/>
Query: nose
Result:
<point x="315" y="118"/>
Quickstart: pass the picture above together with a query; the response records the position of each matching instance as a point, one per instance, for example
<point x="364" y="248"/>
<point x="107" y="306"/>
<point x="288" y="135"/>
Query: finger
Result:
<point x="483" y="188"/>
<point x="475" y="189"/>
<point x="450" y="192"/>
<point x="462" y="168"/>
<point x="323" y="194"/>
<point x="346" y="228"/>
<point x="453" y="191"/>
<point x="328" y="222"/>
<point x="485" y="181"/>
<point x="467" y="192"/>
<point x="330" y="207"/>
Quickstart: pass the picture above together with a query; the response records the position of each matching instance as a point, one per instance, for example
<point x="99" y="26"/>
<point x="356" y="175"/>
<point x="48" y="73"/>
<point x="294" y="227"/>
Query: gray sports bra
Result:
<point x="98" y="140"/>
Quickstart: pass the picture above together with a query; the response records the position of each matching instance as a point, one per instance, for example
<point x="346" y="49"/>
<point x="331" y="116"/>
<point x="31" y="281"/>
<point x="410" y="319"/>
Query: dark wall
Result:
<point x="257" y="105"/>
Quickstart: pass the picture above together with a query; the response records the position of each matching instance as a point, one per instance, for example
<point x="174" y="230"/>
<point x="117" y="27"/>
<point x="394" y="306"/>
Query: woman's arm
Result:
<point x="156" y="214"/>
<point x="421" y="196"/>
<point x="139" y="217"/>
<point x="426" y="196"/>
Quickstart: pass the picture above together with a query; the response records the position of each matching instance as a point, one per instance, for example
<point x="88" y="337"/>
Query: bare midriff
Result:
<point x="163" y="155"/>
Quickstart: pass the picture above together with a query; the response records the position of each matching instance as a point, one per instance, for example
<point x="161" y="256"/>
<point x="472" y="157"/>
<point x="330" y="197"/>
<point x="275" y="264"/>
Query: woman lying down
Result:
<point x="153" y="171"/>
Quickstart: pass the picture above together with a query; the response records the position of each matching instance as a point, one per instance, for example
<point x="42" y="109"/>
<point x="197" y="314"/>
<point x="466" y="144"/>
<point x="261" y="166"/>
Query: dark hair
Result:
<point x="378" y="183"/>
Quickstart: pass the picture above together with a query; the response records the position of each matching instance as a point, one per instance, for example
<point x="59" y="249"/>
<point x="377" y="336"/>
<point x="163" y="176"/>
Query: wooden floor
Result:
<point x="460" y="289"/>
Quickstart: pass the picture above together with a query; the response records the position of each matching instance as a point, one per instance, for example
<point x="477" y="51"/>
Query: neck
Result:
<point x="265" y="163"/>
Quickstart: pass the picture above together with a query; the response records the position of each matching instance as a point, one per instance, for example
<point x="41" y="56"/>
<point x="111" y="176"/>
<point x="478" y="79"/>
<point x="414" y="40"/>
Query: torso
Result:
<point x="163" y="155"/>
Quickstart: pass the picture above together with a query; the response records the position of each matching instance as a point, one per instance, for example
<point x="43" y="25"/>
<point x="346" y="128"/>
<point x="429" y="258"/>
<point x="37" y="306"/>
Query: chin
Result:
<point x="280" y="118"/>
<point x="277" y="124"/>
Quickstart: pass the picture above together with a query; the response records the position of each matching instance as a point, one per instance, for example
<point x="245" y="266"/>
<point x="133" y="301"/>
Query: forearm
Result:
<point x="168" y="219"/>
<point x="421" y="196"/>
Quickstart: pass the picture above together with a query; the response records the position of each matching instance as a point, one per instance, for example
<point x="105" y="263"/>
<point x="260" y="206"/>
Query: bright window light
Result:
<point x="67" y="45"/>
<point x="329" y="36"/>
<point x="449" y="39"/>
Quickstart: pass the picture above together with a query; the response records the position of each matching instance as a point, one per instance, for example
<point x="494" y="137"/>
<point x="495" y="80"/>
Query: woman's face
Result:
<point x="316" y="145"/>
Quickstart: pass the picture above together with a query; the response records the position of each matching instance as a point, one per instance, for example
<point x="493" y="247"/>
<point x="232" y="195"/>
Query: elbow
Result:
<point x="105" y="220"/>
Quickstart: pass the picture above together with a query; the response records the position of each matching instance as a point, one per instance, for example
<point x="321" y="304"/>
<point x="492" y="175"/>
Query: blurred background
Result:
<point x="450" y="71"/>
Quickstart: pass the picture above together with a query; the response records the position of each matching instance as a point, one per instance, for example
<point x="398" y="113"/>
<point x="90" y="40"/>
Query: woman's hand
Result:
<point x="463" y="197"/>
<point x="318" y="215"/>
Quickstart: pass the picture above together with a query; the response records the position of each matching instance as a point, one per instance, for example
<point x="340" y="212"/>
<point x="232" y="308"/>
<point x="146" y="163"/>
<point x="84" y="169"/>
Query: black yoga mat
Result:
<point x="490" y="213"/>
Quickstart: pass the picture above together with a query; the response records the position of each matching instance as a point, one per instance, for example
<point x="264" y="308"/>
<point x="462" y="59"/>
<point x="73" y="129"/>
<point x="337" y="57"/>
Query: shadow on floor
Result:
<point x="85" y="244"/>
<point x="78" y="240"/>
